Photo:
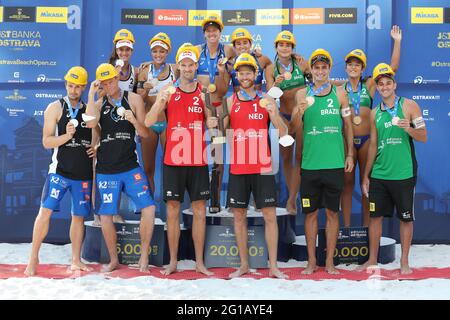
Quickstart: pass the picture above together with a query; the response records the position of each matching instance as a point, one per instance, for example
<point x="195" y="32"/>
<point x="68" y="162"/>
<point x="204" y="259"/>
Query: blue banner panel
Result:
<point x="38" y="43"/>
<point x="427" y="36"/>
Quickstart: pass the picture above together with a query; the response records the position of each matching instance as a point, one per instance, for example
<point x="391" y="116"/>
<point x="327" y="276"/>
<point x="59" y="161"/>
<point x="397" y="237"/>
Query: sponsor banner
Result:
<point x="427" y="15"/>
<point x="19" y="14"/>
<point x="238" y="17"/>
<point x="170" y="17"/>
<point x="196" y="17"/>
<point x="270" y="17"/>
<point x="51" y="14"/>
<point x="137" y="16"/>
<point x="307" y="16"/>
<point x="340" y="15"/>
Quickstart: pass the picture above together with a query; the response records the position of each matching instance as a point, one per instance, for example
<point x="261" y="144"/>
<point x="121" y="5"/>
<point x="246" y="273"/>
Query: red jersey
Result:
<point x="250" y="151"/>
<point x="185" y="143"/>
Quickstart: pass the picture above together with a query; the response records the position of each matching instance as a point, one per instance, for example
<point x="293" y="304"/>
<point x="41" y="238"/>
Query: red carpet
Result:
<point x="52" y="271"/>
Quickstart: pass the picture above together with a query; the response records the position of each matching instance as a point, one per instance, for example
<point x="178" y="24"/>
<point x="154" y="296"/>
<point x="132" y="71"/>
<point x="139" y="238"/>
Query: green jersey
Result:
<point x="395" y="156"/>
<point x="298" y="78"/>
<point x="323" y="142"/>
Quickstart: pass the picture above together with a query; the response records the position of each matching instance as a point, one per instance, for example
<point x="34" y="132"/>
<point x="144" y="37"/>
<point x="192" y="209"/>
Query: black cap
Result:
<point x="211" y="23"/>
<point x="320" y="57"/>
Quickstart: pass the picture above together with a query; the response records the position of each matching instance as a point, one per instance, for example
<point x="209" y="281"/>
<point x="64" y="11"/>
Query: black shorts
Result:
<point x="321" y="189"/>
<point x="240" y="186"/>
<point x="385" y="194"/>
<point x="178" y="178"/>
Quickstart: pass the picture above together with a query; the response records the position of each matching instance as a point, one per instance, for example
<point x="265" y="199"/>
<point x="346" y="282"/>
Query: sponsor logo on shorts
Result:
<point x="232" y="200"/>
<point x="145" y="187"/>
<point x="108" y="198"/>
<point x="306" y="203"/>
<point x="202" y="193"/>
<point x="406" y="215"/>
<point x="269" y="200"/>
<point x="142" y="193"/>
<point x="137" y="177"/>
<point x="107" y="184"/>
<point x="82" y="202"/>
<point x="169" y="193"/>
<point x="87" y="197"/>
<point x="137" y="16"/>
<point x="54" y="193"/>
<point x="341" y="15"/>
<point x="427" y="15"/>
<point x="372" y="206"/>
<point x="85" y="185"/>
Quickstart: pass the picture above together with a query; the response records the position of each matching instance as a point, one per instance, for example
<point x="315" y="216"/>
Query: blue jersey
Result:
<point x="203" y="63"/>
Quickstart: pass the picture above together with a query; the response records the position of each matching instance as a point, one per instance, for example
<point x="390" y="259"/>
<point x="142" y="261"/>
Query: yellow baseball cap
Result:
<point x="245" y="59"/>
<point x="285" y="36"/>
<point x="105" y="71"/>
<point x="382" y="69"/>
<point x="77" y="75"/>
<point x="161" y="39"/>
<point x="212" y="19"/>
<point x="320" y="55"/>
<point x="187" y="50"/>
<point x="124" y="34"/>
<point x="240" y="33"/>
<point x="358" y="54"/>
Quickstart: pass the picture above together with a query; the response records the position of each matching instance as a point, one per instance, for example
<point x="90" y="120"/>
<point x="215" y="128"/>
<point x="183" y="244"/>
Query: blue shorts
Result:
<point x="56" y="186"/>
<point x="109" y="187"/>
<point x="359" y="141"/>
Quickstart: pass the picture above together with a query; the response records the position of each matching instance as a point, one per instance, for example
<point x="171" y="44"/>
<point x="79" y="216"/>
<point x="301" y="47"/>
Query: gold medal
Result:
<point x="264" y="102"/>
<point x="310" y="101"/>
<point x="357" y="120"/>
<point x="171" y="89"/>
<point x="212" y="87"/>
<point x="287" y="75"/>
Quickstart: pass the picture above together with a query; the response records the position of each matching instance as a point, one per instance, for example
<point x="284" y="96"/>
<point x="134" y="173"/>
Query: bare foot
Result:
<point x="143" y="264"/>
<point x="405" y="269"/>
<point x="310" y="269"/>
<point x="291" y="207"/>
<point x="171" y="268"/>
<point x="239" y="272"/>
<point x="367" y="265"/>
<point x="78" y="265"/>
<point x="202" y="269"/>
<point x="276" y="273"/>
<point x="31" y="267"/>
<point x="110" y="267"/>
<point x="331" y="270"/>
<point x="117" y="218"/>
